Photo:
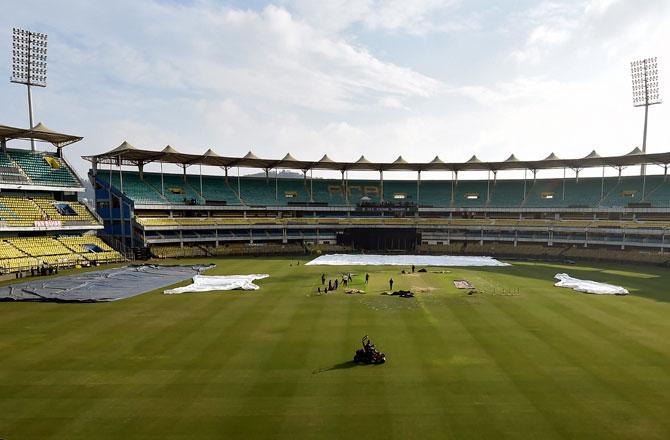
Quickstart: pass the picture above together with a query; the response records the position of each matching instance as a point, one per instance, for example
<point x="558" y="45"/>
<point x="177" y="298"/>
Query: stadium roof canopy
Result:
<point x="40" y="132"/>
<point x="126" y="154"/>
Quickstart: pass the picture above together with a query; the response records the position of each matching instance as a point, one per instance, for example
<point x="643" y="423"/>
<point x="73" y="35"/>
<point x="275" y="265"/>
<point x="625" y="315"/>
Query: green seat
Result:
<point x="173" y="188"/>
<point x="35" y="165"/>
<point x="214" y="189"/>
<point x="134" y="188"/>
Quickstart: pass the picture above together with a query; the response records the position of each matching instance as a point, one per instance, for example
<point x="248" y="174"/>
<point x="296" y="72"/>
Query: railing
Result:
<point x="65" y="261"/>
<point x="72" y="170"/>
<point x="223" y="221"/>
<point x="117" y="245"/>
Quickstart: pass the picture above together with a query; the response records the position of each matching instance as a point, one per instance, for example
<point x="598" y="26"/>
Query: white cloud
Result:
<point x="290" y="61"/>
<point x="392" y="102"/>
<point x="203" y="48"/>
<point x="417" y="17"/>
<point x="580" y="26"/>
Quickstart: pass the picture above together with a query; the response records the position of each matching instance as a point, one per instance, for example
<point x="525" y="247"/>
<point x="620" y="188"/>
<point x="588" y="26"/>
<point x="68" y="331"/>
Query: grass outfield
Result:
<point x="546" y="363"/>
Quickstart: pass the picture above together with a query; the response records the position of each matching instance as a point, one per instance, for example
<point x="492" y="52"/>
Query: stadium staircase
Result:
<point x="660" y="194"/>
<point x="650" y="195"/>
<point x="328" y="191"/>
<point x="608" y="194"/>
<point x="237" y="195"/>
<point x="18" y="211"/>
<point x="629" y="190"/>
<point x="552" y="190"/>
<point x="176" y="191"/>
<point x="192" y="189"/>
<point x="214" y="190"/>
<point x="10" y="171"/>
<point x="156" y="190"/>
<point x="138" y="190"/>
<point x="526" y="196"/>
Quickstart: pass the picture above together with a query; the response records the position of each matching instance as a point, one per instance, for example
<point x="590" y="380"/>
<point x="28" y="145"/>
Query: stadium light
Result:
<point x="29" y="64"/>
<point x="644" y="75"/>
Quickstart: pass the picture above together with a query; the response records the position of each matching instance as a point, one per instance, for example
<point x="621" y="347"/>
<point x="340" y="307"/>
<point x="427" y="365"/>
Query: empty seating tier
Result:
<point x="178" y="251"/>
<point x="22" y="253"/>
<point x="9" y="172"/>
<point x="18" y="211"/>
<point x="8" y="251"/>
<point x="259" y="191"/>
<point x="43" y="168"/>
<point x="23" y="211"/>
<point x="67" y="212"/>
<point x="172" y="188"/>
<point x="91" y="248"/>
<point x="133" y="187"/>
<point x="215" y="190"/>
<point x="39" y="246"/>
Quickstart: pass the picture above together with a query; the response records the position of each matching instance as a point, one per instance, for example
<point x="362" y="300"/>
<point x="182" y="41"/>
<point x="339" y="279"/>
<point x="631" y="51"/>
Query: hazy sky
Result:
<point x="345" y="78"/>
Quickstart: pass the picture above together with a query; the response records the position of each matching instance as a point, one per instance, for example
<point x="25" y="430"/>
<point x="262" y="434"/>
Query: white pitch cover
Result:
<point x="403" y="260"/>
<point x="207" y="283"/>
<point x="588" y="286"/>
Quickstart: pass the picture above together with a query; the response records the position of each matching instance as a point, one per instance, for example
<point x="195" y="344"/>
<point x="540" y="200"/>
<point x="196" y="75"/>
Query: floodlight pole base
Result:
<point x="644" y="138"/>
<point x="30" y="116"/>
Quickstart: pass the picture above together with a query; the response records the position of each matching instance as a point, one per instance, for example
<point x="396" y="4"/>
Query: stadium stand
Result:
<point x="24" y="211"/>
<point x="173" y="188"/>
<point x="215" y="190"/>
<point x="238" y="249"/>
<point x="173" y="215"/>
<point x="167" y="251"/>
<point x="39" y="246"/>
<point x="91" y="248"/>
<point x="258" y="191"/>
<point x="586" y="192"/>
<point x="399" y="192"/>
<point x="629" y="190"/>
<point x="133" y="187"/>
<point x="26" y="252"/>
<point x="43" y="168"/>
<point x="435" y="193"/>
<point x="19" y="211"/>
<point x="661" y="194"/>
<point x="328" y="191"/>
<point x="9" y="171"/>
<point x="291" y="191"/>
<point x="506" y="193"/>
<point x="12" y="259"/>
<point x="38" y="205"/>
<point x="470" y="193"/>
<point x="66" y="212"/>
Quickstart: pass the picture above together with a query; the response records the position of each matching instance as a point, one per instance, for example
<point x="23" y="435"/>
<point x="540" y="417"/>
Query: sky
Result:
<point x="417" y="78"/>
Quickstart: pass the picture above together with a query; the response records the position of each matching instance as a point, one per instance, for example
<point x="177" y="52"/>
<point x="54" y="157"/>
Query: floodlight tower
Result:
<point x="29" y="64"/>
<point x="644" y="74"/>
